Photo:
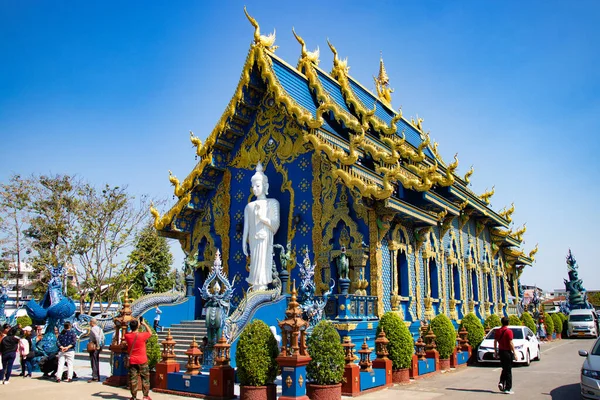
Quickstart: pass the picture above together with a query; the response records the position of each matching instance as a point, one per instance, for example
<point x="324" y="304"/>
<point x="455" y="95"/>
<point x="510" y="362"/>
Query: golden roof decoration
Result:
<point x="467" y="177"/>
<point x="418" y="123"/>
<point x="337" y="63"/>
<point x="261" y="40"/>
<point x="519" y="233"/>
<point x="533" y="252"/>
<point x="382" y="82"/>
<point x="506" y="213"/>
<point x="312" y="56"/>
<point x="487" y="195"/>
<point x="196" y="142"/>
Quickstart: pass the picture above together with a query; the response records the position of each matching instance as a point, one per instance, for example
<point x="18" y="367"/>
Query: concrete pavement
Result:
<point x="555" y="377"/>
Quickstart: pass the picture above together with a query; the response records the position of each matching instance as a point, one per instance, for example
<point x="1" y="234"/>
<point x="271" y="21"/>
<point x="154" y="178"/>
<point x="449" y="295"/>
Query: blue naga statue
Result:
<point x="576" y="292"/>
<point x="52" y="310"/>
<point x="312" y="306"/>
<point x="217" y="292"/>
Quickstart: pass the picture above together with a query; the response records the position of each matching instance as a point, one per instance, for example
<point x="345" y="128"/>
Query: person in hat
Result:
<point x="26" y="352"/>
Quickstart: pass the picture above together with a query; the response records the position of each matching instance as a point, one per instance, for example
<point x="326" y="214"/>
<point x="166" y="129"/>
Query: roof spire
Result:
<point x="383" y="76"/>
<point x="382" y="82"/>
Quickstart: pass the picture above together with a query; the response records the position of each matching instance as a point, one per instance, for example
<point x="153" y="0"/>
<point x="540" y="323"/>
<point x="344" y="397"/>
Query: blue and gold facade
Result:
<point x="348" y="171"/>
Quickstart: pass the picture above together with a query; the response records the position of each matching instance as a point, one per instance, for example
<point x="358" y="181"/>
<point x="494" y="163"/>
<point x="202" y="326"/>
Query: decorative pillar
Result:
<point x="118" y="346"/>
<point x="194" y="355"/>
<point x="168" y="363"/>
<point x="431" y="349"/>
<point x="351" y="382"/>
<point x="222" y="376"/>
<point x="365" y="363"/>
<point x="382" y="361"/>
<point x="293" y="357"/>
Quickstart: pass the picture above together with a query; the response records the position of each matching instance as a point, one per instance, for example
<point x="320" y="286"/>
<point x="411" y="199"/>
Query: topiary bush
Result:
<point x="445" y="335"/>
<point x="558" y="323"/>
<point x="402" y="345"/>
<point x="528" y="321"/>
<point x="548" y="324"/>
<point x="473" y="325"/>
<point x="514" y="320"/>
<point x="24" y="320"/>
<point x="492" y="321"/>
<point x="255" y="355"/>
<point x="325" y="348"/>
<point x="153" y="350"/>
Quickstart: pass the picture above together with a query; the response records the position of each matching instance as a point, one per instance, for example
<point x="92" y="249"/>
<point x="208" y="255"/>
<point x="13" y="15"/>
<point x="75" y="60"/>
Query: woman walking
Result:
<point x="8" y="348"/>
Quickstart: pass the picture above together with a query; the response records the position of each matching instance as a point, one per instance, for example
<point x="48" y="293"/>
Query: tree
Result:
<point x="54" y="207"/>
<point x="14" y="201"/>
<point x="108" y="224"/>
<point x="151" y="251"/>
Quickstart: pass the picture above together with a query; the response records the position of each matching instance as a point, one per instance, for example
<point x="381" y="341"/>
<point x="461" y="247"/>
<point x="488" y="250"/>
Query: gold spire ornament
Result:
<point x="506" y="213"/>
<point x="261" y="40"/>
<point x="196" y="142"/>
<point x="533" y="252"/>
<point x="382" y="84"/>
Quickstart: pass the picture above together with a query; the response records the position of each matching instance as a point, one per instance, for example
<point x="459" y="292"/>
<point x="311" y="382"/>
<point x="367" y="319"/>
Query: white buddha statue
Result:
<point x="261" y="221"/>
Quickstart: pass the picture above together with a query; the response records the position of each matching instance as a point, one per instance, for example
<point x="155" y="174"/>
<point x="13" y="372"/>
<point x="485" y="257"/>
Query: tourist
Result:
<point x="505" y="350"/>
<point x="26" y="352"/>
<point x="138" y="360"/>
<point x="97" y="340"/>
<point x="66" y="344"/>
<point x="204" y="349"/>
<point x="157" y="319"/>
<point x="261" y="222"/>
<point x="8" y="349"/>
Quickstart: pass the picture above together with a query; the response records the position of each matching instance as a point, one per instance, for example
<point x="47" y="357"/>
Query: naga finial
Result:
<point x="196" y="142"/>
<point x="312" y="56"/>
<point x="533" y="252"/>
<point x="261" y="40"/>
<point x="418" y="123"/>
<point x="174" y="181"/>
<point x="507" y="213"/>
<point x="155" y="214"/>
<point x="442" y="214"/>
<point x="452" y="167"/>
<point x="519" y="233"/>
<point x="338" y="64"/>
<point x="486" y="196"/>
<point x="467" y="177"/>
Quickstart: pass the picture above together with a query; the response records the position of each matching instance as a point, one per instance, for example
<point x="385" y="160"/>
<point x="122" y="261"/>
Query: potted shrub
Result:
<point x="528" y="321"/>
<point x="325" y="370"/>
<point x="473" y="325"/>
<point x="549" y="326"/>
<point x="153" y="352"/>
<point x="514" y="320"/>
<point x="493" y="321"/>
<point x="401" y="346"/>
<point x="558" y="324"/>
<point x="445" y="339"/>
<point x="255" y="358"/>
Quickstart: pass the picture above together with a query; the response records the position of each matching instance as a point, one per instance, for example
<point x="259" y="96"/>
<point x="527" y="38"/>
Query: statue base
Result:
<point x="163" y="368"/>
<point x="222" y="382"/>
<point x="148" y="290"/>
<point x="344" y="284"/>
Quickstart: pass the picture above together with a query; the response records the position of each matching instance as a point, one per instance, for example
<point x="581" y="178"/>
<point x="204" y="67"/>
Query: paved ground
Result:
<point x="556" y="377"/>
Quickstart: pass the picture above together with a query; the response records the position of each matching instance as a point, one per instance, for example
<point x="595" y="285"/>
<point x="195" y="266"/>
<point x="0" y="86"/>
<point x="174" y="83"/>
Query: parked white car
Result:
<point x="590" y="372"/>
<point x="526" y="345"/>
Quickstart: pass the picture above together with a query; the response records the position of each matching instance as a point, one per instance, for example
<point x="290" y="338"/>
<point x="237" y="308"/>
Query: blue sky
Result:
<point x="110" y="90"/>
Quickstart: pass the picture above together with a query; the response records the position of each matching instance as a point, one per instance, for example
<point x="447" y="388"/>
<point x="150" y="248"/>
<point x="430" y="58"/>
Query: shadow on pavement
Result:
<point x="474" y="390"/>
<point x="110" y="395"/>
<point x="571" y="391"/>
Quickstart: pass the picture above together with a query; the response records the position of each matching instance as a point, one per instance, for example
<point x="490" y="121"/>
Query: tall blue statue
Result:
<point x="52" y="310"/>
<point x="577" y="297"/>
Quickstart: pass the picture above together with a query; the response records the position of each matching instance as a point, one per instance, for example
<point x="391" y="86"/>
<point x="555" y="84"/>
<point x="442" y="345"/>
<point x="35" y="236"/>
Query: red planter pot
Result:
<point x="401" y="376"/>
<point x="324" y="392"/>
<point x="253" y="393"/>
<point x="445" y="364"/>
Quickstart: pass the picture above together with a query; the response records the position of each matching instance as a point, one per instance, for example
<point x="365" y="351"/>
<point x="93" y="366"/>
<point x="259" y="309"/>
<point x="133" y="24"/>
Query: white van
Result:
<point x="582" y="323"/>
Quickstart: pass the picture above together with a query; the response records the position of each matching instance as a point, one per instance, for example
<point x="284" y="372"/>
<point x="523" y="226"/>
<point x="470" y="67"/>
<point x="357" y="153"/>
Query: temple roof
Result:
<point x="337" y="113"/>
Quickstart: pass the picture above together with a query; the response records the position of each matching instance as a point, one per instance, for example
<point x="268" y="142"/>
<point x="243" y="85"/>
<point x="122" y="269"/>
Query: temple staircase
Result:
<point x="182" y="334"/>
